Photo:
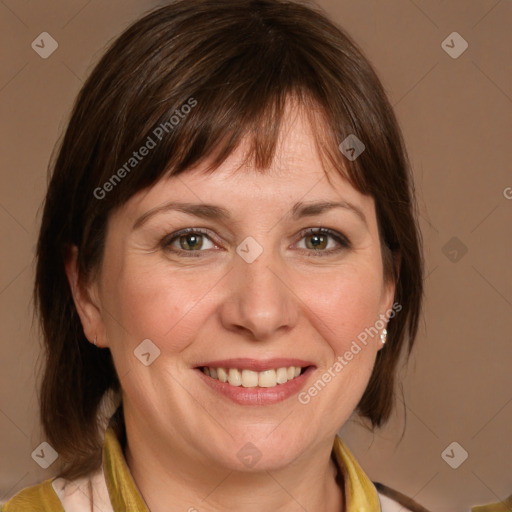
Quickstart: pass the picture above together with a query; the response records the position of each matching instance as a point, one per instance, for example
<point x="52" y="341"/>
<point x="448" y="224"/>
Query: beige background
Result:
<point x="456" y="115"/>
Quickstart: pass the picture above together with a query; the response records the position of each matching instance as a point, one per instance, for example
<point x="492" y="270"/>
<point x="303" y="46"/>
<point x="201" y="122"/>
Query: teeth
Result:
<point x="249" y="379"/>
<point x="282" y="375"/>
<point x="221" y="374"/>
<point x="252" y="379"/>
<point x="267" y="379"/>
<point x="234" y="377"/>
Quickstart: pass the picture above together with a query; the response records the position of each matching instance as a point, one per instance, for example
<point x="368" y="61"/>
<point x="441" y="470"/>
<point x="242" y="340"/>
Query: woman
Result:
<point x="229" y="259"/>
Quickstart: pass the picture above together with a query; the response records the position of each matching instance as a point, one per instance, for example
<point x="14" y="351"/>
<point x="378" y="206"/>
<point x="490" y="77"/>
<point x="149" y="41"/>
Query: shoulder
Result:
<point x="394" y="501"/>
<point x="82" y="494"/>
<point x="38" y="498"/>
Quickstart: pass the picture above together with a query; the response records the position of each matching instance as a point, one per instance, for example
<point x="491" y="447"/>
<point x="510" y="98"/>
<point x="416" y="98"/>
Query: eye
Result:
<point x="187" y="240"/>
<point x="318" y="240"/>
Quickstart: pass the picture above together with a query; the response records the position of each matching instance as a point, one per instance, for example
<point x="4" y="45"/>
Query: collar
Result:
<point x="360" y="493"/>
<point x="123" y="492"/>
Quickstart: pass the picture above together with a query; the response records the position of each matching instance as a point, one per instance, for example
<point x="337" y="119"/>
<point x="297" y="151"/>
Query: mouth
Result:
<point x="253" y="382"/>
<point x="252" y="379"/>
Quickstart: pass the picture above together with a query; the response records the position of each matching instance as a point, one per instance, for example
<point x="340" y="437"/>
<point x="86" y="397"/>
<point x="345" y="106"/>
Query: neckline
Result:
<point x="358" y="490"/>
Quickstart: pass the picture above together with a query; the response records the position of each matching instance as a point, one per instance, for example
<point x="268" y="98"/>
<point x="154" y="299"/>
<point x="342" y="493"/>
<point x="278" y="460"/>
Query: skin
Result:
<point x="183" y="437"/>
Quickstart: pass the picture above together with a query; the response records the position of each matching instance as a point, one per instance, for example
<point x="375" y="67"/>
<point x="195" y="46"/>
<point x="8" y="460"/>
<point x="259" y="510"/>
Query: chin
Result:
<point x="260" y="452"/>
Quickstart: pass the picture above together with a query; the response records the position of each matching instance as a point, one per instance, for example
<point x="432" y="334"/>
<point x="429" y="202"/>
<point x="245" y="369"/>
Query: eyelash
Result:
<point x="343" y="241"/>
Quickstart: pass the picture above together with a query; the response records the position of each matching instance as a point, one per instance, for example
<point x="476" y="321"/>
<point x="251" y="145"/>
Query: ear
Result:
<point x="388" y="295"/>
<point x="388" y="291"/>
<point x="389" y="288"/>
<point x="86" y="300"/>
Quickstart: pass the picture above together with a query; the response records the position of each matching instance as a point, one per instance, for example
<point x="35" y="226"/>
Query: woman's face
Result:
<point x="253" y="286"/>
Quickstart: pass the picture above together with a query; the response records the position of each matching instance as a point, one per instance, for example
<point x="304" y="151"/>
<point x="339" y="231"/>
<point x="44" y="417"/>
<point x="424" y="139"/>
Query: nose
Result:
<point x="260" y="302"/>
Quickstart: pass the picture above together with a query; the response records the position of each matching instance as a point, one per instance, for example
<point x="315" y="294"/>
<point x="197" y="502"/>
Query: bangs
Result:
<point x="260" y="131"/>
<point x="179" y="116"/>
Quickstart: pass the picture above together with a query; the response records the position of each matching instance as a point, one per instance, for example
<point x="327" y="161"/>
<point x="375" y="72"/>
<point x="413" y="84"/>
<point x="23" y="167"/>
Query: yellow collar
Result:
<point x="360" y="493"/>
<point x="123" y="492"/>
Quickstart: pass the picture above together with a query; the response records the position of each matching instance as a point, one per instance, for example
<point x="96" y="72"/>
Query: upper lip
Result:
<point x="257" y="365"/>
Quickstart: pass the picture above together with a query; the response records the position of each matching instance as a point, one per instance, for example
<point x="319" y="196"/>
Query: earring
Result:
<point x="95" y="340"/>
<point x="383" y="335"/>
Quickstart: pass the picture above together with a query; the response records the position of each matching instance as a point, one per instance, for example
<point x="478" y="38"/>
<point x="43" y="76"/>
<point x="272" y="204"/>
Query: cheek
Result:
<point x="343" y="309"/>
<point x="154" y="303"/>
<point x="344" y="304"/>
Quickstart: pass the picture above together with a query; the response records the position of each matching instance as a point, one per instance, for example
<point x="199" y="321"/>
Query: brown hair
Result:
<point x="236" y="62"/>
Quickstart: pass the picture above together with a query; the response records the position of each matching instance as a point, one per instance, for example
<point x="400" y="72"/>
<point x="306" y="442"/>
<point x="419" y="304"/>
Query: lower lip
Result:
<point x="258" y="396"/>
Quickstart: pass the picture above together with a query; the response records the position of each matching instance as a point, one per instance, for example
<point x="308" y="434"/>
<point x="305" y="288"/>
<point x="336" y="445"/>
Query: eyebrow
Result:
<point x="210" y="211"/>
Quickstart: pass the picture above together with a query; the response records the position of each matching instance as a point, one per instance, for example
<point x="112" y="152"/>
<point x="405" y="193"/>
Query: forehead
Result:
<point x="296" y="173"/>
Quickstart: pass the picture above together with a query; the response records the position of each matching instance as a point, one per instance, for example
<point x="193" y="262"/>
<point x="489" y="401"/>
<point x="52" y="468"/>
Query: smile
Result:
<point x="252" y="379"/>
<point x="247" y="381"/>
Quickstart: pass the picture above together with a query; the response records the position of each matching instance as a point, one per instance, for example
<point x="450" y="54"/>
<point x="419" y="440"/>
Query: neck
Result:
<point x="170" y="482"/>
